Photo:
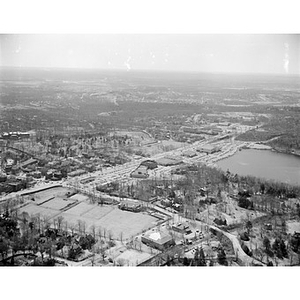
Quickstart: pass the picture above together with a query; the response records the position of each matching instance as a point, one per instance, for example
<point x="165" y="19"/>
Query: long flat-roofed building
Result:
<point x="169" y="161"/>
<point x="77" y="173"/>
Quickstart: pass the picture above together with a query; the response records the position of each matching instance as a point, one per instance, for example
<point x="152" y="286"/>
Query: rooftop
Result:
<point x="159" y="237"/>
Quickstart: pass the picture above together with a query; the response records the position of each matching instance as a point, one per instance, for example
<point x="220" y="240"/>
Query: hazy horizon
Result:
<point x="150" y="71"/>
<point x="276" y="54"/>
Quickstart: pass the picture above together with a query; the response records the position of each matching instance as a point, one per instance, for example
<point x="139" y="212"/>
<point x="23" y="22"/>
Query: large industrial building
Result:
<point x="140" y="172"/>
<point x="189" y="153"/>
<point x="130" y="205"/>
<point x="209" y="149"/>
<point x="150" y="164"/>
<point x="158" y="240"/>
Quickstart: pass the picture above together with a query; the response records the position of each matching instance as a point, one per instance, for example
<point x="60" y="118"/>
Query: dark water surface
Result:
<point x="264" y="163"/>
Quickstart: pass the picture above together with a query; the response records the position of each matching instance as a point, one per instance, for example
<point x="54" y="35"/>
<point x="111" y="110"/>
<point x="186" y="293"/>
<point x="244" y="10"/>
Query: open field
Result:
<point x="293" y="227"/>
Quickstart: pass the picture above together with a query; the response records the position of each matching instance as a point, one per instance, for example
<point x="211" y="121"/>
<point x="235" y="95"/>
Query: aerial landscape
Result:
<point x="136" y="166"/>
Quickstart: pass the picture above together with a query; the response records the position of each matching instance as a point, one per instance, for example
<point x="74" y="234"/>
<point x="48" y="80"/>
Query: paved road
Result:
<point x="247" y="260"/>
<point x="121" y="173"/>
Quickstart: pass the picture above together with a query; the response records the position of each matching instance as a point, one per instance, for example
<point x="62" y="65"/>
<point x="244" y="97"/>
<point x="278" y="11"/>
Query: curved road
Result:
<point x="237" y="248"/>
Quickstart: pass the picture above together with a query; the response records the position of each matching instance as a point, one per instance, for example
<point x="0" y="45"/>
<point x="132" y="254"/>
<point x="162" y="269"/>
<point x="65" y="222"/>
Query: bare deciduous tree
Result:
<point x="79" y="226"/>
<point x="72" y="228"/>
<point x="102" y="252"/>
<point x="54" y="222"/>
<point x="93" y="230"/>
<point x="59" y="222"/>
<point x="100" y="233"/>
<point x="83" y="227"/>
<point x="110" y="236"/>
<point x="66" y="226"/>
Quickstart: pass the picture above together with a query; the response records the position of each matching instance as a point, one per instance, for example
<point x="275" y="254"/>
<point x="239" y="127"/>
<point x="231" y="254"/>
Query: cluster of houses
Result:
<point x="9" y="184"/>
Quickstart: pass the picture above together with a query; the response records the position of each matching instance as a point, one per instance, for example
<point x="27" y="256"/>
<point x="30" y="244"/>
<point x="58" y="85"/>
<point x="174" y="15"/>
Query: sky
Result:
<point x="230" y="53"/>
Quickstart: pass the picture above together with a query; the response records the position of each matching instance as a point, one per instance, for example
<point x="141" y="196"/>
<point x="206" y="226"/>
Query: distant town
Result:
<point x="121" y="169"/>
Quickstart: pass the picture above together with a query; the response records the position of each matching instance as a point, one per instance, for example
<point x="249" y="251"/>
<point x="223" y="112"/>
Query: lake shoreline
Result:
<point x="271" y="165"/>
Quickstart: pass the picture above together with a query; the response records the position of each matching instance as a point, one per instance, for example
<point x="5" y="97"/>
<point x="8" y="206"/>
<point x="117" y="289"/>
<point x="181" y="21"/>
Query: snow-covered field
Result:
<point x="293" y="226"/>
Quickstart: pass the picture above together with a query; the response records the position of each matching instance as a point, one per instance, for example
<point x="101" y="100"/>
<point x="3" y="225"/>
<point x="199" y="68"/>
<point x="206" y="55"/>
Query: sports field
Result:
<point x="108" y="217"/>
<point x="80" y="209"/>
<point x="98" y="212"/>
<point x="33" y="209"/>
<point x="57" y="203"/>
<point x="128" y="223"/>
<point x="111" y="219"/>
<point x="79" y="197"/>
<point x="57" y="192"/>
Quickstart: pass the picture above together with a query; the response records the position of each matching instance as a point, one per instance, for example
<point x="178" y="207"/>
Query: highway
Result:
<point x="121" y="173"/>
